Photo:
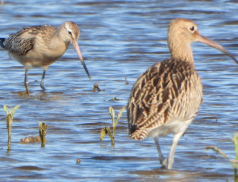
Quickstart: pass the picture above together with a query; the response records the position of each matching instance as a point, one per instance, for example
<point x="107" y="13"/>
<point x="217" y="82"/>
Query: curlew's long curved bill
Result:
<point x="215" y="45"/>
<point x="76" y="47"/>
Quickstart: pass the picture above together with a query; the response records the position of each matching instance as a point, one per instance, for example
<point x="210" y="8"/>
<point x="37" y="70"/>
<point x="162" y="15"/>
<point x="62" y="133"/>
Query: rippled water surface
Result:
<point x="118" y="38"/>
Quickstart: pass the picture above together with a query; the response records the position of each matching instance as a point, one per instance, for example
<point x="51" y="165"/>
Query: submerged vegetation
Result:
<point x="38" y="139"/>
<point x="107" y="130"/>
<point x="115" y="99"/>
<point x="126" y="82"/>
<point x="233" y="162"/>
<point x="2" y="3"/>
<point x="96" y="87"/>
<point x="31" y="139"/>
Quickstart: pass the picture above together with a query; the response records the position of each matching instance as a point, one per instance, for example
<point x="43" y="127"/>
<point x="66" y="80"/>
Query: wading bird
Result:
<point x="40" y="46"/>
<point x="166" y="98"/>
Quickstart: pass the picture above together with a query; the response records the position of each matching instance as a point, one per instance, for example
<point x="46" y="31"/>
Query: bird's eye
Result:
<point x="70" y="32"/>
<point x="192" y="28"/>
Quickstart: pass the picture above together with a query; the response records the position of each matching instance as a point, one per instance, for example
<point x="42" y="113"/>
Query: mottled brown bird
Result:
<point x="166" y="98"/>
<point x="40" y="46"/>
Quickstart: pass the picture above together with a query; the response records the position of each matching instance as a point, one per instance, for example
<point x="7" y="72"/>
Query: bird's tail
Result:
<point x="1" y="42"/>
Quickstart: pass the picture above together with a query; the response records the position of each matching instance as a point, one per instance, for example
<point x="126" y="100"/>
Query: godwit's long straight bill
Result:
<point x="77" y="49"/>
<point x="209" y="42"/>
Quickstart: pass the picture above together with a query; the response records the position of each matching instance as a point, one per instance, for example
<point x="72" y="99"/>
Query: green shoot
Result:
<point x="9" y="120"/>
<point x="107" y="130"/>
<point x="232" y="162"/>
<point x="42" y="132"/>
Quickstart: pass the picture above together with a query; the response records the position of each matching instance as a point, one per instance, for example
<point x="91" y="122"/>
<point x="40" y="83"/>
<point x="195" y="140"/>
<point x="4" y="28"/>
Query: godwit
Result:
<point x="40" y="46"/>
<point x="166" y="98"/>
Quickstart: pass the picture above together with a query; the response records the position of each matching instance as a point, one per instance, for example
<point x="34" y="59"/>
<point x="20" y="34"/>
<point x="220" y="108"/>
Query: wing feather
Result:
<point x="167" y="91"/>
<point x="23" y="41"/>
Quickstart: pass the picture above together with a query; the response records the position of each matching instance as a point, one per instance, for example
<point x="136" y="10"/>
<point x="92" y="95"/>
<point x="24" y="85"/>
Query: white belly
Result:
<point x="175" y="126"/>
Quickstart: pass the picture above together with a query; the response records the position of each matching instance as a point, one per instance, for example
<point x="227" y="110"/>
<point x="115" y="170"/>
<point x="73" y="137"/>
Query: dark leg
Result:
<point x="26" y="82"/>
<point x="42" y="80"/>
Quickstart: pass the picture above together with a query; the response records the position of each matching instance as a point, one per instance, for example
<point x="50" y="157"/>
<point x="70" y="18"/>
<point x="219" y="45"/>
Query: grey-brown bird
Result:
<point x="40" y="46"/>
<point x="166" y="98"/>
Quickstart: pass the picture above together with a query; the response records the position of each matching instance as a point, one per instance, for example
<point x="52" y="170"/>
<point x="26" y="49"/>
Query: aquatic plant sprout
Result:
<point x="232" y="161"/>
<point x="9" y="120"/>
<point x="42" y="132"/>
<point x="106" y="130"/>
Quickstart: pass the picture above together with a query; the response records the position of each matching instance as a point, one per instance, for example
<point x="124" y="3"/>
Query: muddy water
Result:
<point x="118" y="39"/>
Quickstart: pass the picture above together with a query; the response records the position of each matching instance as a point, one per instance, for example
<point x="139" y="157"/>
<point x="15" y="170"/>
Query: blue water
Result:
<point x="118" y="38"/>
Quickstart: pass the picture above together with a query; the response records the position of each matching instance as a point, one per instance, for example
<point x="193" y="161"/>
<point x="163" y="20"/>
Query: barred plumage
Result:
<point x="163" y="93"/>
<point x="166" y="98"/>
<point x="23" y="41"/>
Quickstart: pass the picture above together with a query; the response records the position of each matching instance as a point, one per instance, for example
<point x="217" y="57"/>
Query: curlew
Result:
<point x="166" y="98"/>
<point x="40" y="46"/>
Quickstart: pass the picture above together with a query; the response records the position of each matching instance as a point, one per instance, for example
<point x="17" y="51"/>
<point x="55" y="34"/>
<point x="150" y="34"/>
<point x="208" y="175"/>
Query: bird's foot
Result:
<point x="27" y="89"/>
<point x="42" y="86"/>
<point x="166" y="163"/>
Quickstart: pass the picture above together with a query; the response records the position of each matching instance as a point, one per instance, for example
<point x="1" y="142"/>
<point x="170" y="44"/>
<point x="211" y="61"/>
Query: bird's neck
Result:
<point x="57" y="41"/>
<point x="181" y="50"/>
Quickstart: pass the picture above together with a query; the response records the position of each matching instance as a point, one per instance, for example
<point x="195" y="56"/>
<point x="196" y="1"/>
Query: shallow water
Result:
<point x="118" y="38"/>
